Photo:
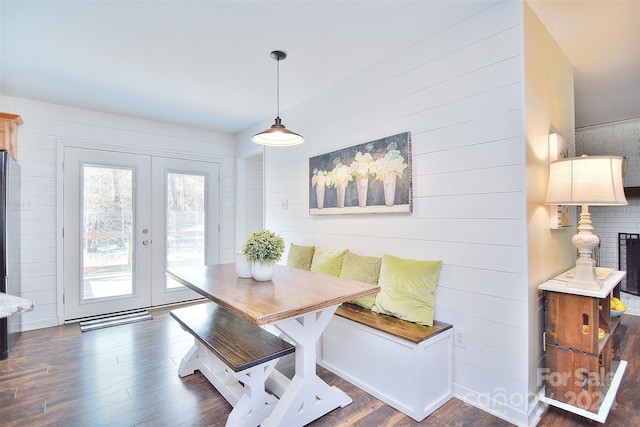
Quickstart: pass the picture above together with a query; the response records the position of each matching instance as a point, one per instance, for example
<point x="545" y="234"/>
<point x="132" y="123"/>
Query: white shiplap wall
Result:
<point x="250" y="197"/>
<point x="254" y="196"/>
<point x="615" y="139"/>
<point x="45" y="128"/>
<point x="460" y="94"/>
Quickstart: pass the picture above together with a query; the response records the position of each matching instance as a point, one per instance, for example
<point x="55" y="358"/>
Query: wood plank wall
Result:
<point x="460" y="94"/>
<point x="45" y="127"/>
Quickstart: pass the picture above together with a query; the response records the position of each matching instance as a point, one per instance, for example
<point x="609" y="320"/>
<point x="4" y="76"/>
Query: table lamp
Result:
<point x="584" y="181"/>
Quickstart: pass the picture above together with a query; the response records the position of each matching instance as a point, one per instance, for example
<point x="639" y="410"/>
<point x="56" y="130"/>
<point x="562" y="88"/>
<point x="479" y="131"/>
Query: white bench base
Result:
<point x="415" y="379"/>
<point x="244" y="390"/>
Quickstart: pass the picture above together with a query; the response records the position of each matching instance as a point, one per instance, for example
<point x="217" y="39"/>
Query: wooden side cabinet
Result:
<point x="584" y="369"/>
<point x="9" y="133"/>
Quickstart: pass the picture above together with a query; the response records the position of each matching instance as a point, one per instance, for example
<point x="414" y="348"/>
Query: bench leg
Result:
<point x="244" y="390"/>
<point x="189" y="362"/>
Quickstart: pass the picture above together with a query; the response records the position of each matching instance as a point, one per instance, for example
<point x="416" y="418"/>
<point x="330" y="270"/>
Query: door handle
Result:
<point x="146" y="242"/>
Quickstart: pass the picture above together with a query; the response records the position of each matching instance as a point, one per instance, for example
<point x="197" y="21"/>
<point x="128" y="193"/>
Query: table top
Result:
<point x="291" y="291"/>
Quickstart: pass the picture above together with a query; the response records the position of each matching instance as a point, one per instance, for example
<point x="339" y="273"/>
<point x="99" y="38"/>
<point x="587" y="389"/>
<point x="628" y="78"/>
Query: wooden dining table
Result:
<point x="299" y="304"/>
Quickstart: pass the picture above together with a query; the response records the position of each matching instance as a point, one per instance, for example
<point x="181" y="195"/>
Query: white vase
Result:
<point x="389" y="185"/>
<point x="341" y="191"/>
<point x="363" y="186"/>
<point x="243" y="266"/>
<point x="262" y="272"/>
<point x="320" y="195"/>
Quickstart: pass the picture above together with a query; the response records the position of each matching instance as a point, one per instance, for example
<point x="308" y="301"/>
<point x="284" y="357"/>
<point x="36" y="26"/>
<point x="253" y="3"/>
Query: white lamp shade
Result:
<point x="284" y="138"/>
<point x="277" y="136"/>
<point x="590" y="180"/>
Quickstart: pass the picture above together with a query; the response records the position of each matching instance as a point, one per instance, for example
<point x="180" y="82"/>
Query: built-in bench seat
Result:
<point x="235" y="355"/>
<point x="409" y="331"/>
<point x="388" y="344"/>
<point x="406" y="365"/>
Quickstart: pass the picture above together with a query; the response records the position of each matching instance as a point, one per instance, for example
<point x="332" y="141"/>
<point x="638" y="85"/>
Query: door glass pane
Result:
<point x="185" y="222"/>
<point x="106" y="225"/>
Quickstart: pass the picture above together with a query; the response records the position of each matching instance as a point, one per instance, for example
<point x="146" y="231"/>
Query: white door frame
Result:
<point x="61" y="144"/>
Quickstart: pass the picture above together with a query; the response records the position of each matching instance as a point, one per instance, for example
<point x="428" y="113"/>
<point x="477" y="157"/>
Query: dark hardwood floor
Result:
<point x="127" y="376"/>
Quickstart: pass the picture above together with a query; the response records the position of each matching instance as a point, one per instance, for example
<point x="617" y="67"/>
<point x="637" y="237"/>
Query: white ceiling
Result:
<point x="206" y="63"/>
<point x="601" y="38"/>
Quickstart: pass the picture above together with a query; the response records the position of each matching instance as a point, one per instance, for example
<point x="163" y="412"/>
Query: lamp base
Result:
<point x="585" y="241"/>
<point x="585" y="275"/>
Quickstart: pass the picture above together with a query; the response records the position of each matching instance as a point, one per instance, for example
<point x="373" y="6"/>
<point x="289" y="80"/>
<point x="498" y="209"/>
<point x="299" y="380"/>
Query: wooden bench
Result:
<point x="235" y="355"/>
<point x="406" y="365"/>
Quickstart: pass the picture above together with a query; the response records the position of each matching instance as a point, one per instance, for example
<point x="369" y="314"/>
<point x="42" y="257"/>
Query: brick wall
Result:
<point x="618" y="139"/>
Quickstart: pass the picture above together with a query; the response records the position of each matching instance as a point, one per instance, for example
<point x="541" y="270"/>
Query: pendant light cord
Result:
<point x="278" y="87"/>
<point x="278" y="135"/>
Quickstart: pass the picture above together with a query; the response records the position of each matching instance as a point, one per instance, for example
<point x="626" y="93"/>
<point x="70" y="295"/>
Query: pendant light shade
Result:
<point x="278" y="135"/>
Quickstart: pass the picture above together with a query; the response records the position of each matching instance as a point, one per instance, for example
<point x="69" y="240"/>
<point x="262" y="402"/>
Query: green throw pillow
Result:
<point x="408" y="289"/>
<point x="300" y="256"/>
<point x="328" y="261"/>
<point x="364" y="269"/>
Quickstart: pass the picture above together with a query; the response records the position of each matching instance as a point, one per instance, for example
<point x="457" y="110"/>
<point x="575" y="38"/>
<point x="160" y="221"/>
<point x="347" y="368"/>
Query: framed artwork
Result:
<point x="374" y="177"/>
<point x="561" y="216"/>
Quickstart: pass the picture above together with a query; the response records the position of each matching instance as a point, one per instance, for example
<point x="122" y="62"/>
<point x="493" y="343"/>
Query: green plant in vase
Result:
<point x="263" y="248"/>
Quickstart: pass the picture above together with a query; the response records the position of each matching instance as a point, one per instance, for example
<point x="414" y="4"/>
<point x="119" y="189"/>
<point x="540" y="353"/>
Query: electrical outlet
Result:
<point x="460" y="337"/>
<point x="285" y="204"/>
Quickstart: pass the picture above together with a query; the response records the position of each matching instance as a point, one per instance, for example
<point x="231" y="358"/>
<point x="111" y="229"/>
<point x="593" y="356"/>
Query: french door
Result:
<point x="127" y="218"/>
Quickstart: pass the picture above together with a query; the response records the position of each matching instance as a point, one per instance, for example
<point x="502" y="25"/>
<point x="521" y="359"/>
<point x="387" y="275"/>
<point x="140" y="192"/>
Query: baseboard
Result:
<point x="39" y="324"/>
<point x="499" y="409"/>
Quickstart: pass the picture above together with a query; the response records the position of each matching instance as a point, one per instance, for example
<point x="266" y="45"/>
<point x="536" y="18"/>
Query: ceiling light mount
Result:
<point x="278" y="135"/>
<point x="278" y="55"/>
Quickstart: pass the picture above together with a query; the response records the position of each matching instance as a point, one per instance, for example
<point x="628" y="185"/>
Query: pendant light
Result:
<point x="278" y="135"/>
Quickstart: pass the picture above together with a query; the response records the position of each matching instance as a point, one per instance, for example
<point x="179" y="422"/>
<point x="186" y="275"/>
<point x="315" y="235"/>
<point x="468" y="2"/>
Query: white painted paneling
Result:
<point x="37" y="255"/>
<point x="498" y="360"/>
<point x="496" y="205"/>
<point x="481" y="130"/>
<point x="254" y="195"/>
<point x="491" y="391"/>
<point x="45" y="126"/>
<point x="499" y="335"/>
<point x="496" y="232"/>
<point x="36" y="284"/>
<point x="503" y="152"/>
<point x="38" y="269"/>
<point x="502" y="179"/>
<point x="488" y="282"/>
<point x="44" y="297"/>
<point x="37" y="227"/>
<point x="490" y="308"/>
<point x="42" y="316"/>
<point x="460" y="94"/>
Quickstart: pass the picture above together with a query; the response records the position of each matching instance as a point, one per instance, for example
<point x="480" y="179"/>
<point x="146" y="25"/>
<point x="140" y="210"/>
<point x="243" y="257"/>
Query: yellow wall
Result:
<point x="549" y="107"/>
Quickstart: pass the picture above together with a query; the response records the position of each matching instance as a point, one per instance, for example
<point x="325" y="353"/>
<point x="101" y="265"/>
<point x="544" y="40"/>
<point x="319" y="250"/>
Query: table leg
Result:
<point x="307" y="397"/>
